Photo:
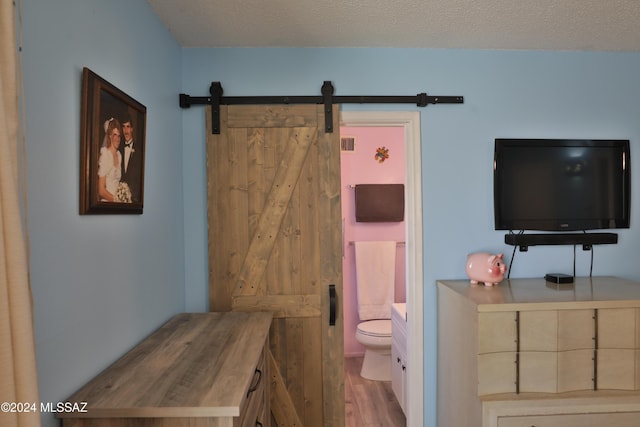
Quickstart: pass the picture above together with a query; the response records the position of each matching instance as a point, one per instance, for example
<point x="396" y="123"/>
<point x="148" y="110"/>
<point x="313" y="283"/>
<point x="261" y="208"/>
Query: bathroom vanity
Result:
<point x="531" y="353"/>
<point x="399" y="353"/>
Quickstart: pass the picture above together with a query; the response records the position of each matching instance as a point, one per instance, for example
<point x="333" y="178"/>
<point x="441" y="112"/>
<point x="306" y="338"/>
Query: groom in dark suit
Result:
<point x="132" y="154"/>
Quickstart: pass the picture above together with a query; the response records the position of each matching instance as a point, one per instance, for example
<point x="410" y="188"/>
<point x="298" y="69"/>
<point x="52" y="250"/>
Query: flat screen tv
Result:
<point x="561" y="184"/>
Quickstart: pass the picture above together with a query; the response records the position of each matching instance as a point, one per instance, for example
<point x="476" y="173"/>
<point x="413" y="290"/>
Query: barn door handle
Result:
<point x="332" y="305"/>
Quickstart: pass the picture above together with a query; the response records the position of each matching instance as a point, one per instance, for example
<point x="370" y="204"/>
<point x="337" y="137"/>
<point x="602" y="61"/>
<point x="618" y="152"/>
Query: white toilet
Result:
<point x="375" y="276"/>
<point x="375" y="336"/>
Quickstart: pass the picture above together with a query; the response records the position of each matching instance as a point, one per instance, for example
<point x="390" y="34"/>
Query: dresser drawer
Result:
<point x="497" y="332"/>
<point x="255" y="397"/>
<point x="538" y="372"/>
<point x="617" y="419"/>
<point x="576" y="329"/>
<point x="616" y="369"/>
<point x="556" y="372"/>
<point x="575" y="370"/>
<point x="261" y="419"/>
<point x="617" y="328"/>
<point x="497" y="373"/>
<point x="539" y="331"/>
<point x="557" y="330"/>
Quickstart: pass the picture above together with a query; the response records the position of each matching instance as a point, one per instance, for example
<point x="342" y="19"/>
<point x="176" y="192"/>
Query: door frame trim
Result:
<point x="410" y="121"/>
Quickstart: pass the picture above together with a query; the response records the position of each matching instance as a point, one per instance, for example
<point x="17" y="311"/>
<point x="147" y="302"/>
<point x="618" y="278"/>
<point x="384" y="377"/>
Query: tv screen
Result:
<point x="561" y="184"/>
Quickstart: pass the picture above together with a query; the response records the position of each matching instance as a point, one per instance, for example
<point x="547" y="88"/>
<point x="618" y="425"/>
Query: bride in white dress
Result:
<point x="110" y="161"/>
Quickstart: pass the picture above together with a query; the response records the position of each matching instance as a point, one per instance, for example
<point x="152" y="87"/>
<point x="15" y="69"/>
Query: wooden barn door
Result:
<point x="275" y="244"/>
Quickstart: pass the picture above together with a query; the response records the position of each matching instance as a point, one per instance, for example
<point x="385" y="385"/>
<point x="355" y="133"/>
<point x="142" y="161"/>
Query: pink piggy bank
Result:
<point x="485" y="268"/>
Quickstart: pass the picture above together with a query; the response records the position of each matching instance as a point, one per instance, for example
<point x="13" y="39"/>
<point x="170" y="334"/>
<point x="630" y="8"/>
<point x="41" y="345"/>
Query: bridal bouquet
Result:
<point x="123" y="193"/>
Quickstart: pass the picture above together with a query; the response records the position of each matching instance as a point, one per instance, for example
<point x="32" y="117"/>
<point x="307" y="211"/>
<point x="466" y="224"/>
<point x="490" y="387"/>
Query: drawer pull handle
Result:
<point x="258" y="424"/>
<point x="254" y="387"/>
<point x="333" y="300"/>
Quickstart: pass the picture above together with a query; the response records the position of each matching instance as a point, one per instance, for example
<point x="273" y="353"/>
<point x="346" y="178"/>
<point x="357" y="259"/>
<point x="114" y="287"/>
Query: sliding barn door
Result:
<point x="275" y="245"/>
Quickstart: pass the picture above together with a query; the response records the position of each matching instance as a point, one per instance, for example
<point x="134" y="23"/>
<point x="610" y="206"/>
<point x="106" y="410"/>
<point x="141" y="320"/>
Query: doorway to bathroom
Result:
<point x="394" y="157"/>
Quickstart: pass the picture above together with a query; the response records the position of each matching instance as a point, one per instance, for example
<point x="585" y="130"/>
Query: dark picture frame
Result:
<point x="106" y="108"/>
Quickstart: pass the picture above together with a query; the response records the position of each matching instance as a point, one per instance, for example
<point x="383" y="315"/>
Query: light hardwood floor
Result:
<point x="369" y="403"/>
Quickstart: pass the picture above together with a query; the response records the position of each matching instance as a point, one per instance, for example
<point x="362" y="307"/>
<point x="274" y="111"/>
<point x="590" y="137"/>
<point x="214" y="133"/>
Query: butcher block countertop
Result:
<point x="171" y="373"/>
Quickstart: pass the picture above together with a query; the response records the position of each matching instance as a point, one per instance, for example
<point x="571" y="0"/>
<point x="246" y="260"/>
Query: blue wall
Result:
<point x="100" y="283"/>
<point x="507" y="94"/>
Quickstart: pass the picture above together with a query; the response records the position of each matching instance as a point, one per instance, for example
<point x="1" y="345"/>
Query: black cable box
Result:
<point x="558" y="278"/>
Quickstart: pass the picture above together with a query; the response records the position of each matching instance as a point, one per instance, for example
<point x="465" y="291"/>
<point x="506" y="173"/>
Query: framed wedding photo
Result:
<point x="112" y="146"/>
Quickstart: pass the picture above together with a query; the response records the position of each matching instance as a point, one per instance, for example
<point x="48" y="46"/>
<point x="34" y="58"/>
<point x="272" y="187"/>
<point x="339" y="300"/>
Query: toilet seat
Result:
<point x="375" y="328"/>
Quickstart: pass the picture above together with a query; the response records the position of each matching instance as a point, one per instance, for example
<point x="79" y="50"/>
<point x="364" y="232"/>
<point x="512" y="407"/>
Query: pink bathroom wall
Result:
<point x="362" y="167"/>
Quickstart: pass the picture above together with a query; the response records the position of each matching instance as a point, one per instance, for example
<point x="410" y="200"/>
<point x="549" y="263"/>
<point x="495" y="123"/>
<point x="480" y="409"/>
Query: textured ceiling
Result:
<point x="470" y="24"/>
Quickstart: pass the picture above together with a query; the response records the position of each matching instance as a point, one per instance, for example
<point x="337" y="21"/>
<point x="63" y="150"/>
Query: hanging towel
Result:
<point x="375" y="278"/>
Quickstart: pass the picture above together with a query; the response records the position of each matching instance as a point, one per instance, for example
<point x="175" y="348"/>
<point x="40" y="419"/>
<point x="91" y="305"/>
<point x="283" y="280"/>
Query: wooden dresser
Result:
<point x="197" y="370"/>
<point x="529" y="353"/>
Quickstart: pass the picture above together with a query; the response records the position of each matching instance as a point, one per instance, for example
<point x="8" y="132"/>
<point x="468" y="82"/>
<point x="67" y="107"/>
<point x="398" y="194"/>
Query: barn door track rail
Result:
<point x="216" y="100"/>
